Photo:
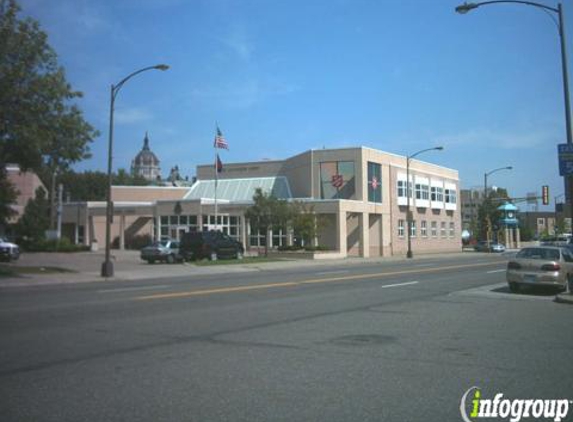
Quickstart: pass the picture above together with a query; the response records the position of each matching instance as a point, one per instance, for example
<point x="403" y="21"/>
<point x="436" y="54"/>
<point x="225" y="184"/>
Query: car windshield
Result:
<point x="540" y="253"/>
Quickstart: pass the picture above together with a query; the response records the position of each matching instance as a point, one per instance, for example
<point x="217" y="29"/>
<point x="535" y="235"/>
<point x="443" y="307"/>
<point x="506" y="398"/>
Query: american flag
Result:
<point x="220" y="141"/>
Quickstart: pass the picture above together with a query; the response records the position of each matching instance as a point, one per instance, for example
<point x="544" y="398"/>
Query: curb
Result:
<point x="564" y="298"/>
<point x="123" y="275"/>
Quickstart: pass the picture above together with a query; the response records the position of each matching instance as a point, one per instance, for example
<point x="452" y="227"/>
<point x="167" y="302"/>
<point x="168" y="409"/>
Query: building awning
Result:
<point x="240" y="189"/>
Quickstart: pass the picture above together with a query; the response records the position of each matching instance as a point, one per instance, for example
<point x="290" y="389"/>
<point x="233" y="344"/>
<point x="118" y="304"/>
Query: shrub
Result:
<point x="64" y="245"/>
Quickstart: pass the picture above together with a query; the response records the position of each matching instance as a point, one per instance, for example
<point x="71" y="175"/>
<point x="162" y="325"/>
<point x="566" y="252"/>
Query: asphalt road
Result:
<point x="397" y="341"/>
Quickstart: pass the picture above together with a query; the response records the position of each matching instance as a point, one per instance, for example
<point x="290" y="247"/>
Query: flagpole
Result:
<point x="216" y="185"/>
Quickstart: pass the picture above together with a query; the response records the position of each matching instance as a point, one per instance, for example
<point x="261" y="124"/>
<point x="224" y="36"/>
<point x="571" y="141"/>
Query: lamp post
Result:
<point x="555" y="225"/>
<point x="488" y="236"/>
<point x="466" y="7"/>
<point x="409" y="254"/>
<point x="491" y="172"/>
<point x="107" y="266"/>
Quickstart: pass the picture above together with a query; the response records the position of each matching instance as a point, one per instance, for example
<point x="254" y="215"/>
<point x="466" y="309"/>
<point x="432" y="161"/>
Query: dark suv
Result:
<point x="209" y="244"/>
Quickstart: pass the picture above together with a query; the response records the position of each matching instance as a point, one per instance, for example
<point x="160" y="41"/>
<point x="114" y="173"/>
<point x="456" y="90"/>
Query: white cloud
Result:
<point x="132" y="115"/>
<point x="237" y="40"/>
<point x="243" y="95"/>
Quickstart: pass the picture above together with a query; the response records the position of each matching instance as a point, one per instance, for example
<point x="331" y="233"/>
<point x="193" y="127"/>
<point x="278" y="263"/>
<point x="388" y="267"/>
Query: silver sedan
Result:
<point x="541" y="265"/>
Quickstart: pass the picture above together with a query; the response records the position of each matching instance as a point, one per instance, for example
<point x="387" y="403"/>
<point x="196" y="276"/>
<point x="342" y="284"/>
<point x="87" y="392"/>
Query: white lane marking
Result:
<point x="333" y="272"/>
<point x="495" y="271"/>
<point x="132" y="289"/>
<point x="422" y="265"/>
<point x="399" y="284"/>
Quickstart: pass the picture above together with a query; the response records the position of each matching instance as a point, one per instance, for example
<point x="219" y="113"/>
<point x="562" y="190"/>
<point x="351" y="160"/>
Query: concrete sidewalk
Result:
<point x="85" y="267"/>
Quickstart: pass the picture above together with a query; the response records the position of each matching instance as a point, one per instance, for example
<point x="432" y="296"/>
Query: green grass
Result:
<point x="13" y="271"/>
<point x="250" y="260"/>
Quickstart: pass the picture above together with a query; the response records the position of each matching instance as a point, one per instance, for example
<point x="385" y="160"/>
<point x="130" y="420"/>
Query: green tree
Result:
<point x="266" y="213"/>
<point x="39" y="124"/>
<point x="85" y="186"/>
<point x="306" y="222"/>
<point x="7" y="196"/>
<point x="488" y="214"/>
<point x="123" y="178"/>
<point x="35" y="221"/>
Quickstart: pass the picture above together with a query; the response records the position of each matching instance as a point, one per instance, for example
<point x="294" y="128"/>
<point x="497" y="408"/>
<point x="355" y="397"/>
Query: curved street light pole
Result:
<point x="489" y="173"/>
<point x="485" y="198"/>
<point x="409" y="254"/>
<point x="107" y="266"/>
<point x="466" y="7"/>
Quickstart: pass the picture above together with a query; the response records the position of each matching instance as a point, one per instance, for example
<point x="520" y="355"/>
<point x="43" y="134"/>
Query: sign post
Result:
<point x="565" y="159"/>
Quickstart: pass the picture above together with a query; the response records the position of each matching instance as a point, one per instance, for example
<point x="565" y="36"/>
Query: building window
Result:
<point x="173" y="225"/>
<point x="413" y="229"/>
<point x="279" y="237"/>
<point x="443" y="233"/>
<point x="337" y="180"/>
<point x="422" y="191"/>
<point x="437" y="194"/>
<point x="402" y="189"/>
<point x="230" y="225"/>
<point x="452" y="230"/>
<point x="400" y="228"/>
<point x="374" y="182"/>
<point x="424" y="228"/>
<point x="451" y="197"/>
<point x="434" y="229"/>
<point x="257" y="238"/>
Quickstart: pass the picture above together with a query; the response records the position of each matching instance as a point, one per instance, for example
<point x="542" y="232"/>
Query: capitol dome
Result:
<point x="146" y="163"/>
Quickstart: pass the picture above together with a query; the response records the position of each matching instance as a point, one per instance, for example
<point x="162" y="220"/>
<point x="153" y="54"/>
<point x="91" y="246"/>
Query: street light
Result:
<point x="485" y="199"/>
<point x="466" y="7"/>
<point x="107" y="266"/>
<point x="409" y="254"/>
<point x="491" y="172"/>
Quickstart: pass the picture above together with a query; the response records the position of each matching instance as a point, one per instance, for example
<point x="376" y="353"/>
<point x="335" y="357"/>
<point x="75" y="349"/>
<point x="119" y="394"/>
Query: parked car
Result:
<point x="210" y="244"/>
<point x="8" y="251"/>
<point x="540" y="265"/>
<point x="485" y="246"/>
<point x="164" y="251"/>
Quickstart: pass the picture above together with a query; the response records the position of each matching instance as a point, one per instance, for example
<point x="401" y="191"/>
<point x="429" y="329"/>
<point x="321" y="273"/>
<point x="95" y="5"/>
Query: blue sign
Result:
<point x="565" y="159"/>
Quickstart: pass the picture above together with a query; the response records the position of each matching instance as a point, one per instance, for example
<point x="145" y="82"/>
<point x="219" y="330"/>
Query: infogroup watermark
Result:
<point x="473" y="407"/>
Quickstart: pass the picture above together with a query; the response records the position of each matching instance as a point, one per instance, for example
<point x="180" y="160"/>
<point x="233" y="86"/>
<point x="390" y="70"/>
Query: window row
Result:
<point x="425" y="192"/>
<point x="445" y="230"/>
<point x="173" y="226"/>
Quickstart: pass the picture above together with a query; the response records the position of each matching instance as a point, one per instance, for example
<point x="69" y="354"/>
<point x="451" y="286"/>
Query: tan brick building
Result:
<point x="360" y="193"/>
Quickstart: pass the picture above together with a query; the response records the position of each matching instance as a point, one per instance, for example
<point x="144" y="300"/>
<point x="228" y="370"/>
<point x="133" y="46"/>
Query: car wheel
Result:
<point x="514" y="287"/>
<point x="170" y="259"/>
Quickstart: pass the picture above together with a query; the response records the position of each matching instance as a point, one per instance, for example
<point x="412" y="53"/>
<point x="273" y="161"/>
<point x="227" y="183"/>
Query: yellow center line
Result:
<point x="302" y="282"/>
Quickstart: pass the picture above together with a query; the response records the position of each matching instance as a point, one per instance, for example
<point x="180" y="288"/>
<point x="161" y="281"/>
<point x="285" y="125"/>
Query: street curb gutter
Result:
<point x="564" y="298"/>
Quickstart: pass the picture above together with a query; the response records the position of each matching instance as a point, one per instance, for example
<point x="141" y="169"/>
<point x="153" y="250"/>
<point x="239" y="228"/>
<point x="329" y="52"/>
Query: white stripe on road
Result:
<point x="133" y="289"/>
<point x="495" y="271"/>
<point x="333" y="272"/>
<point x="399" y="284"/>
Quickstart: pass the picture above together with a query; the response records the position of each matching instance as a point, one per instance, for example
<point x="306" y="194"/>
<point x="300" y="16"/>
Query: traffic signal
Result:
<point x="545" y="194"/>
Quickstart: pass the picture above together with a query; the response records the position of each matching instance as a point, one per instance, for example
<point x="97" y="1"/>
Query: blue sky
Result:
<point x="281" y="77"/>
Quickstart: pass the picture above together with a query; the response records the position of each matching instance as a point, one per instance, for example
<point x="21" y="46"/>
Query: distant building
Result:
<point x="539" y="222"/>
<point x="471" y="200"/>
<point x="546" y="222"/>
<point x="359" y="193"/>
<point x="146" y="163"/>
<point x="25" y="183"/>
